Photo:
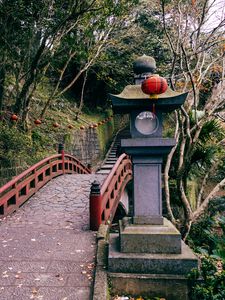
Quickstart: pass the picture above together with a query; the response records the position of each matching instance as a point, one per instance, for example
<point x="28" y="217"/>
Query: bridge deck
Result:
<point x="46" y="249"/>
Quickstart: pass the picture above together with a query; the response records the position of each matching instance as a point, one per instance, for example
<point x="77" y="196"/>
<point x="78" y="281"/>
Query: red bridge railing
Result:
<point x="104" y="200"/>
<point x="14" y="193"/>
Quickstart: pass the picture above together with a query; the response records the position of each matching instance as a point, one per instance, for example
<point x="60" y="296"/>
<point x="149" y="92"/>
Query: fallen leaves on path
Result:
<point x="133" y="298"/>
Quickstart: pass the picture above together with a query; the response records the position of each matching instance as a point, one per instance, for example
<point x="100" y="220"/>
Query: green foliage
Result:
<point x="18" y="149"/>
<point x="203" y="237"/>
<point x="210" y="130"/>
<point x="220" y="174"/>
<point x="206" y="153"/>
<point x="212" y="284"/>
<point x="140" y="33"/>
<point x="219" y="240"/>
<point x="43" y="38"/>
<point x="12" y="142"/>
<point x="203" y="156"/>
<point x="207" y="237"/>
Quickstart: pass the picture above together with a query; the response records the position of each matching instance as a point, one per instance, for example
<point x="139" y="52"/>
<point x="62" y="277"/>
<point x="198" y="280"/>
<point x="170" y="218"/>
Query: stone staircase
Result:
<point x="113" y="153"/>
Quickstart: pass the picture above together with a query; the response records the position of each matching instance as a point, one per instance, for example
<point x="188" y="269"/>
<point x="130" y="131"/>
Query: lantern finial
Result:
<point x="144" y="64"/>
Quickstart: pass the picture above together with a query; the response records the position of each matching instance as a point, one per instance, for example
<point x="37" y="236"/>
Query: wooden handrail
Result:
<point x="24" y="173"/>
<point x="112" y="172"/>
<point x="18" y="190"/>
<point x="104" y="200"/>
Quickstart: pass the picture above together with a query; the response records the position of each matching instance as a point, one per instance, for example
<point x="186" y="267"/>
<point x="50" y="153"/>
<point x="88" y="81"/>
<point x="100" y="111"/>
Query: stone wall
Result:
<point x="91" y="144"/>
<point x="85" y="146"/>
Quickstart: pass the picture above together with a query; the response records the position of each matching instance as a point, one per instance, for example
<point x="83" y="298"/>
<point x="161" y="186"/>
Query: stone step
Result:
<point x="148" y="263"/>
<point x="112" y="158"/>
<point x="103" y="172"/>
<point x="108" y="166"/>
<point x="110" y="162"/>
<point x="170" y="287"/>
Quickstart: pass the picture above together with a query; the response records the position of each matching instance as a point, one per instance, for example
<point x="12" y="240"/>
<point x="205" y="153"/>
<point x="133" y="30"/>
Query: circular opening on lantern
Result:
<point x="146" y="122"/>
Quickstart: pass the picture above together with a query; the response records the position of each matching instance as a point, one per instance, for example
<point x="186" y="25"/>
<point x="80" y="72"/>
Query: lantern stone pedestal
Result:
<point x="149" y="260"/>
<point x="135" y="238"/>
<point x="148" y="257"/>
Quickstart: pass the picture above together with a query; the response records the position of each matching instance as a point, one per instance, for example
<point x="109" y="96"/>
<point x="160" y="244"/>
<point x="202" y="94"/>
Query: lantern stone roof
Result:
<point x="132" y="97"/>
<point x="144" y="64"/>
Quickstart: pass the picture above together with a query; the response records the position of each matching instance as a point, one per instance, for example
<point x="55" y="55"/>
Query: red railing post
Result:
<point x="89" y="167"/>
<point x="95" y="206"/>
<point x="61" y="151"/>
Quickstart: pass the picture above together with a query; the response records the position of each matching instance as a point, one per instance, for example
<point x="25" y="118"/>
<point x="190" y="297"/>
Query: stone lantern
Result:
<point x="147" y="242"/>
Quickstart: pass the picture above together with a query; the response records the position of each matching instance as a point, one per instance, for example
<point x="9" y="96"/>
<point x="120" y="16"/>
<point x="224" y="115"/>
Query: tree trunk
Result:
<point x="2" y="86"/>
<point x="82" y="96"/>
<point x="25" y="118"/>
<point x="197" y="214"/>
<point x="186" y="205"/>
<point x="166" y="173"/>
<point x="24" y="94"/>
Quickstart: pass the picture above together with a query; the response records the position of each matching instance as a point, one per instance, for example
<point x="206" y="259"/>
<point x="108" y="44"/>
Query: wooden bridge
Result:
<point x="49" y="215"/>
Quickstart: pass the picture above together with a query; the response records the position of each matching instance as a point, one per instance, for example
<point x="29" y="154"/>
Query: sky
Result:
<point x="216" y="14"/>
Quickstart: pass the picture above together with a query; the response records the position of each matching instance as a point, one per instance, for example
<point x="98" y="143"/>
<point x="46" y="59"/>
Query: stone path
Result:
<point x="46" y="249"/>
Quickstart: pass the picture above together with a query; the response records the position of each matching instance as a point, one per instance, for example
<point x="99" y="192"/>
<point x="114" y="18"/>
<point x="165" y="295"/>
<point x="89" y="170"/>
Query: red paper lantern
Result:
<point x="91" y="126"/>
<point x="82" y="127"/>
<point x="14" y="117"/>
<point x="154" y="85"/>
<point x="55" y="125"/>
<point x="37" y="122"/>
<point x="95" y="125"/>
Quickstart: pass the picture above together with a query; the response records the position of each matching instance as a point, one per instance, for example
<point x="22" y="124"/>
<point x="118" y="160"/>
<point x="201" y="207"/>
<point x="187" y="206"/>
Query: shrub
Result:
<point x="212" y="285"/>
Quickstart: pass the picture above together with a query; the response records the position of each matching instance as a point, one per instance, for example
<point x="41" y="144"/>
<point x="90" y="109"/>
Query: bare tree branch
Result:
<point x="197" y="214"/>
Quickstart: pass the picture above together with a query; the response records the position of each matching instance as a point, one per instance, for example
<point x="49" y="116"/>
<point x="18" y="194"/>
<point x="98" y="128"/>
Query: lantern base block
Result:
<point x="137" y="238"/>
<point x="153" y="220"/>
